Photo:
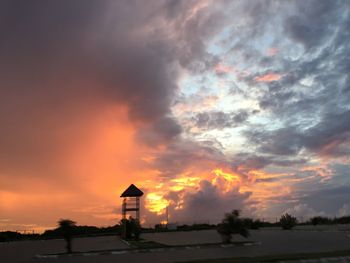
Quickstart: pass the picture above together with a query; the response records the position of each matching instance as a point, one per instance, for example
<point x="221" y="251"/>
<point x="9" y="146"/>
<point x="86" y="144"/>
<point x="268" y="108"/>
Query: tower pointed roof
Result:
<point x="132" y="191"/>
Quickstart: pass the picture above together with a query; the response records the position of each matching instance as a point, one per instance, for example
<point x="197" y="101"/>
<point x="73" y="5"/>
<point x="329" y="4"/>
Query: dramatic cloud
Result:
<point x="200" y="103"/>
<point x="219" y="119"/>
<point x="208" y="198"/>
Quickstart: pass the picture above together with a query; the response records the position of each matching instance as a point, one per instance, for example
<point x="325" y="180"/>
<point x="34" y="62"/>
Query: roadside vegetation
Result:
<point x="313" y="257"/>
<point x="288" y="222"/>
<point x="85" y="231"/>
<point x="130" y="229"/>
<point x="66" y="228"/>
<point x="232" y="224"/>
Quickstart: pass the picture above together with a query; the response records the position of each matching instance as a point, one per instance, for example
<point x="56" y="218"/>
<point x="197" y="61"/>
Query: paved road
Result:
<point x="23" y="251"/>
<point x="321" y="260"/>
<point x="272" y="242"/>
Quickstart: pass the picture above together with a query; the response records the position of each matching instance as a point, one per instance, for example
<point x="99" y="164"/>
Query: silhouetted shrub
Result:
<point x="9" y="236"/>
<point x="83" y="231"/>
<point x="319" y="220"/>
<point x="343" y="220"/>
<point x="287" y="221"/>
<point x="230" y="225"/>
<point x="159" y="227"/>
<point x="135" y="228"/>
<point x="184" y="228"/>
<point x="252" y="224"/>
<point x="130" y="228"/>
<point x="225" y="231"/>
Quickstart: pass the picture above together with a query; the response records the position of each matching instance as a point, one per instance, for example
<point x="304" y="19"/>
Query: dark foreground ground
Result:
<point x="273" y="242"/>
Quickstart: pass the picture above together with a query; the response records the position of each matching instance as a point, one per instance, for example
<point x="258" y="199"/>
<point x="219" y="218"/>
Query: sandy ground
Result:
<point x="273" y="241"/>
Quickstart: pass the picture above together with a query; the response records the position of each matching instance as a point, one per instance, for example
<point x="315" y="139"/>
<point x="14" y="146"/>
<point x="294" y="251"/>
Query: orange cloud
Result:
<point x="222" y="68"/>
<point x="188" y="182"/>
<point x="269" y="77"/>
<point x="226" y="181"/>
<point x="258" y="187"/>
<point x="156" y="203"/>
<point x="321" y="170"/>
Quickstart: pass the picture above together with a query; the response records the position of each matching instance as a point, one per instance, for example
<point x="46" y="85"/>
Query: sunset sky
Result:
<point x="207" y="106"/>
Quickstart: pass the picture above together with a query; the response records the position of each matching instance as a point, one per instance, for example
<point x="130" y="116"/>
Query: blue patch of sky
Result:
<point x="189" y="85"/>
<point x="216" y="46"/>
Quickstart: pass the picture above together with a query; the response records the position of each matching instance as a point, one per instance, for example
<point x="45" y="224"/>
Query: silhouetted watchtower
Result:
<point x="131" y="201"/>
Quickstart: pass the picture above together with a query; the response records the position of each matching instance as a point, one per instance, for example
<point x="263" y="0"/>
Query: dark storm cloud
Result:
<point x="182" y="155"/>
<point x="248" y="161"/>
<point x="62" y="61"/>
<point x="329" y="136"/>
<point x="47" y="40"/>
<point x="314" y="22"/>
<point x="219" y="119"/>
<point x="161" y="131"/>
<point x="284" y="141"/>
<point x="131" y="63"/>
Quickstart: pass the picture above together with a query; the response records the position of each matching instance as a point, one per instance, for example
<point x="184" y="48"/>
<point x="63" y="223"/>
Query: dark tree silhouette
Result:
<point x="319" y="220"/>
<point x="66" y="227"/>
<point x="232" y="224"/>
<point x="287" y="221"/>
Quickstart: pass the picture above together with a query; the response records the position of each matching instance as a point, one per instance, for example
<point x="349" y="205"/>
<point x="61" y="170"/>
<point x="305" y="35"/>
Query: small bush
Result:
<point x="287" y="221"/>
<point x="343" y="220"/>
<point x="135" y="228"/>
<point x="319" y="220"/>
<point x="131" y="228"/>
<point x="9" y="236"/>
<point x="252" y="224"/>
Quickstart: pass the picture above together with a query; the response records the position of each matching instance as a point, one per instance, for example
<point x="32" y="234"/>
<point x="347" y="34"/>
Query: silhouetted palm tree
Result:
<point x="66" y="226"/>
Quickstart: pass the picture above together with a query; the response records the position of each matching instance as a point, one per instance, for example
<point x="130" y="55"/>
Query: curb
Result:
<point x="145" y="250"/>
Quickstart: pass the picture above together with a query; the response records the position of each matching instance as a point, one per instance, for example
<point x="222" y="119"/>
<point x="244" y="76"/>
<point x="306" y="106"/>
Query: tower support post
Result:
<point x="124" y="209"/>
<point x="137" y="209"/>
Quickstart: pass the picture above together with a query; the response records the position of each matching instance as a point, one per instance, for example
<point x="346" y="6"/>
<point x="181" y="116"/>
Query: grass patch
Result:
<point x="277" y="258"/>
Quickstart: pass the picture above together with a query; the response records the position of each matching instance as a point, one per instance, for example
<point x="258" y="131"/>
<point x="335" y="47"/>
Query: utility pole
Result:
<point x="167" y="214"/>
